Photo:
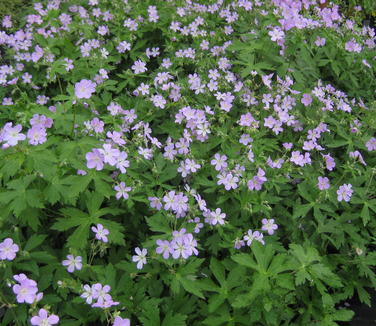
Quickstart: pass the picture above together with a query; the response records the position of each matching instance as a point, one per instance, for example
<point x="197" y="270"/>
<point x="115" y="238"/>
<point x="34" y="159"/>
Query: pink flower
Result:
<point x="8" y="249"/>
<point x="43" y="319"/>
<point x="84" y="89"/>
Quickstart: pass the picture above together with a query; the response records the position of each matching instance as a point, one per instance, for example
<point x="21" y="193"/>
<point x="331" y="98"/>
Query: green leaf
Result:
<point x="218" y="270"/>
<point x="34" y="241"/>
<point x="245" y="260"/>
<point x="343" y="315"/>
<point x="174" y="320"/>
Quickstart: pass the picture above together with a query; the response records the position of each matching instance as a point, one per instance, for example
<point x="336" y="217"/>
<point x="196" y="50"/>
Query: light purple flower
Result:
<point x="250" y="236"/>
<point x="217" y="217"/>
<point x="323" y="183"/>
<point x="344" y="192"/>
<point x="84" y="89"/>
<point x="11" y="135"/>
<point x="306" y="99"/>
<point x="121" y="322"/>
<point x="164" y="248"/>
<point x="122" y="190"/>
<point x="371" y="144"/>
<point x="95" y="160"/>
<point x="37" y="135"/>
<point x="140" y="258"/>
<point x="219" y="162"/>
<point x="73" y="263"/>
<point x="26" y="290"/>
<point x="139" y="67"/>
<point x="100" y="232"/>
<point x="100" y="292"/>
<point x="88" y="294"/>
<point x="269" y="226"/>
<point x="8" y="249"/>
<point x="43" y="319"/>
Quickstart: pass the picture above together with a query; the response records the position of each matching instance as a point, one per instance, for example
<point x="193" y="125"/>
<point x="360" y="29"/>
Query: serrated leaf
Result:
<point x="174" y="320"/>
<point x="34" y="241"/>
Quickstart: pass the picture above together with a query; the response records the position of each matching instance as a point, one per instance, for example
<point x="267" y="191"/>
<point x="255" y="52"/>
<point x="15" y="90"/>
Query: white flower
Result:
<point x="140" y="258"/>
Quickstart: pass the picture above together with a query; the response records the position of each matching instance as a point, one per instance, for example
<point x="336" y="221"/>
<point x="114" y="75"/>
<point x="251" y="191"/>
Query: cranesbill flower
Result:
<point x="121" y="322"/>
<point x="306" y="99"/>
<point x="84" y="89"/>
<point x="100" y="232"/>
<point x="26" y="290"/>
<point x="95" y="160"/>
<point x="73" y="263"/>
<point x="219" y="162"/>
<point x="122" y="191"/>
<point x="11" y="135"/>
<point x="37" y="135"/>
<point x="100" y="292"/>
<point x="164" y="248"/>
<point x="43" y="319"/>
<point x="139" y="67"/>
<point x="371" y="144"/>
<point x="88" y="294"/>
<point x="140" y="258"/>
<point x="269" y="225"/>
<point x="8" y="249"/>
<point x="344" y="192"/>
<point x="323" y="183"/>
<point x="217" y="217"/>
<point x="250" y="236"/>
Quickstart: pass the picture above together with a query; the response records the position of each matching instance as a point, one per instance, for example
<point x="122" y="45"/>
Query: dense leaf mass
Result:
<point x="186" y="163"/>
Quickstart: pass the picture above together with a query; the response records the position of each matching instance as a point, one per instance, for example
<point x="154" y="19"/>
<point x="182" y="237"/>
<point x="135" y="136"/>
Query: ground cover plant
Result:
<point x="186" y="163"/>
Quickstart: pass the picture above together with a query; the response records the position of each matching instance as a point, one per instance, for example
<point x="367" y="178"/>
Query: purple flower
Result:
<point x="26" y="290"/>
<point x="121" y="322"/>
<point x="100" y="292"/>
<point x="43" y="319"/>
<point x="95" y="159"/>
<point x="217" y="217"/>
<point x="371" y="144"/>
<point x="122" y="191"/>
<point x="344" y="192"/>
<point x="37" y="135"/>
<point x="164" y="248"/>
<point x="88" y="294"/>
<point x="306" y="99"/>
<point x="139" y="67"/>
<point x="100" y="232"/>
<point x="323" y="183"/>
<point x="8" y="249"/>
<point x="228" y="180"/>
<point x="73" y="263"/>
<point x="250" y="236"/>
<point x="140" y="258"/>
<point x="320" y="41"/>
<point x="155" y="202"/>
<point x="84" y="89"/>
<point x="329" y="161"/>
<point x="11" y="135"/>
<point x="219" y="162"/>
<point x="269" y="225"/>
